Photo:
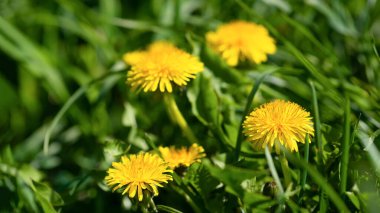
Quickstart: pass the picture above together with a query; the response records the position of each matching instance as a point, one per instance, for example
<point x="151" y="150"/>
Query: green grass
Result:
<point x="66" y="113"/>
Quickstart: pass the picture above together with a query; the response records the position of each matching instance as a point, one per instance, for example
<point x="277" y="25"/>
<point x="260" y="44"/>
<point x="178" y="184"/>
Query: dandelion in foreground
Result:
<point x="241" y="40"/>
<point x="139" y="174"/>
<point x="183" y="156"/>
<point x="159" y="66"/>
<point x="278" y="122"/>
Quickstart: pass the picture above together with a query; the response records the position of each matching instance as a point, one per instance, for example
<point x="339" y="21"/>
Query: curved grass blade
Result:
<point x="69" y="103"/>
<point x="317" y="124"/>
<point x="304" y="171"/>
<point x="167" y="209"/>
<point x="346" y="147"/>
<point x="318" y="137"/>
<point x="248" y="106"/>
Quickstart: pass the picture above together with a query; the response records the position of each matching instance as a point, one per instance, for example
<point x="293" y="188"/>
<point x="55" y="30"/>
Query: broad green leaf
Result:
<point x="6" y="156"/>
<point x="47" y="197"/>
<point x="234" y="178"/>
<point x="207" y="102"/>
<point x="26" y="195"/>
<point x="192" y="94"/>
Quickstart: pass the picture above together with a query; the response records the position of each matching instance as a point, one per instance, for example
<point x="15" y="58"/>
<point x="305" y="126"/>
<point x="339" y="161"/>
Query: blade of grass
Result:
<point x="320" y="180"/>
<point x="167" y="209"/>
<point x="317" y="126"/>
<point x="69" y="103"/>
<point x="35" y="59"/>
<point x="345" y="147"/>
<point x="304" y="171"/>
<point x="248" y="106"/>
<point x="323" y="80"/>
<point x="310" y="36"/>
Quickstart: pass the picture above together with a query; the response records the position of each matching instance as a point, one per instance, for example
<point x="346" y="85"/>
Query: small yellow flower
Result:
<point x="183" y="156"/>
<point x="159" y="66"/>
<point x="138" y="173"/>
<point x="278" y="121"/>
<point x="241" y="40"/>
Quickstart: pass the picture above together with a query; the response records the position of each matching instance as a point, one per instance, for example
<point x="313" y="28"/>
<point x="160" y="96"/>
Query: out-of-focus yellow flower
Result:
<point x="183" y="156"/>
<point x="241" y="40"/>
<point x="139" y="173"/>
<point x="278" y="122"/>
<point x="159" y="66"/>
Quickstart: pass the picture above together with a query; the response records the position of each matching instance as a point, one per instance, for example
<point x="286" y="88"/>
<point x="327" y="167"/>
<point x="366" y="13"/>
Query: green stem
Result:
<point x="248" y="106"/>
<point x="176" y="114"/>
<point x="304" y="171"/>
<point x="323" y="202"/>
<point x="317" y="125"/>
<point x="273" y="170"/>
<point x="151" y="203"/>
<point x="346" y="147"/>
<point x="285" y="169"/>
<point x="320" y="180"/>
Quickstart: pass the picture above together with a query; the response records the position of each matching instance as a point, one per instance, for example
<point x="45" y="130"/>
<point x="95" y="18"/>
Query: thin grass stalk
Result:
<point x="77" y="94"/>
<point x="163" y="208"/>
<point x="323" y="203"/>
<point x="248" y="106"/>
<point x="317" y="124"/>
<point x="320" y="180"/>
<point x="345" y="147"/>
<point x="304" y="171"/>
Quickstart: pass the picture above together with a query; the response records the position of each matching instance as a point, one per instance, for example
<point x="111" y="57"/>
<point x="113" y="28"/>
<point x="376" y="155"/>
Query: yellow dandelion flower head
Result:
<point x="183" y="156"/>
<point x="159" y="66"/>
<point x="278" y="121"/>
<point x="139" y="173"/>
<point x="241" y="40"/>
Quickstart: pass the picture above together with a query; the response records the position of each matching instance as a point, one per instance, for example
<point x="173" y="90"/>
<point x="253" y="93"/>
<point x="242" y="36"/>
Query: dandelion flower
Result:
<point x="159" y="66"/>
<point x="278" y="121"/>
<point x="139" y="173"/>
<point x="183" y="156"/>
<point x="241" y="40"/>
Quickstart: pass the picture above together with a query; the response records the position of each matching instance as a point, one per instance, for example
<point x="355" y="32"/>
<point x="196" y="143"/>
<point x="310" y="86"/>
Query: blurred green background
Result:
<point x="51" y="49"/>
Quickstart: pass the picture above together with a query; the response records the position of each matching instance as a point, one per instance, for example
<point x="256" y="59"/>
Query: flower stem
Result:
<point x="154" y="208"/>
<point x="273" y="170"/>
<point x="177" y="116"/>
<point x="285" y="169"/>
